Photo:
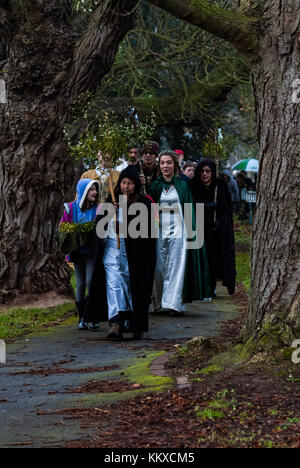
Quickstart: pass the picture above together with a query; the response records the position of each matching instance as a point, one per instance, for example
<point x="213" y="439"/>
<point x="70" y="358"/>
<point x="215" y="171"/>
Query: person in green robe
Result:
<point x="182" y="272"/>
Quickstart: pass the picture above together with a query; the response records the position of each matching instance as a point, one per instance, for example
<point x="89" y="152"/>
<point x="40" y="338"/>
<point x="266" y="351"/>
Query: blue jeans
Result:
<point x="83" y="265"/>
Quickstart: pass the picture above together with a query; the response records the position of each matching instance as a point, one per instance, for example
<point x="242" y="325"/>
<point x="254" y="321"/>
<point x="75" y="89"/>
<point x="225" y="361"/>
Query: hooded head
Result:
<point x="129" y="173"/>
<point x="83" y="188"/>
<point x="227" y="173"/>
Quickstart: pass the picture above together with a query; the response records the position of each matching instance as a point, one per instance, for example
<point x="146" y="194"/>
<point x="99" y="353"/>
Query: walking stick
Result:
<point x="114" y="202"/>
<point x="217" y="172"/>
<point x="142" y="172"/>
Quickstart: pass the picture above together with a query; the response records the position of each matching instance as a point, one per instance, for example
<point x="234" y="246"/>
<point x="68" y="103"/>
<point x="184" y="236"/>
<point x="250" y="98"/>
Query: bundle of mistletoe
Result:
<point x="111" y="136"/>
<point x="71" y="236"/>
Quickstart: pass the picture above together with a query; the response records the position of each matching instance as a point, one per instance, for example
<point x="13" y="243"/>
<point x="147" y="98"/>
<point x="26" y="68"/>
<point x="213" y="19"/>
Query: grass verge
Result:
<point x="18" y="322"/>
<point x="243" y="241"/>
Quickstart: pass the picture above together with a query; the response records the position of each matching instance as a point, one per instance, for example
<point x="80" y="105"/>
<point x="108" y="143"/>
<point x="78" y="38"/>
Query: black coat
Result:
<point x="141" y="254"/>
<point x="218" y="228"/>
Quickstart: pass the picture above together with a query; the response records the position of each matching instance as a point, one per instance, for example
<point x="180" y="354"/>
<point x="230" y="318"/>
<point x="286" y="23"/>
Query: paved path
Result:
<point x="40" y="370"/>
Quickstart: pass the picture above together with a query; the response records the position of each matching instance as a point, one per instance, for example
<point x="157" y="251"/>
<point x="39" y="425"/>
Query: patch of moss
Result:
<point x="211" y="369"/>
<point x="139" y="371"/>
<point x="271" y="341"/>
<point x="287" y="354"/>
<point x="136" y="370"/>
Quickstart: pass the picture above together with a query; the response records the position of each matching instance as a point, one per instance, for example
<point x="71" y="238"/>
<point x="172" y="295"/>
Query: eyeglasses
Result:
<point x="206" y="171"/>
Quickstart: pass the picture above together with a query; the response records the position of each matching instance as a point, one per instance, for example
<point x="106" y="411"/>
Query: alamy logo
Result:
<point x="296" y="91"/>
<point x="296" y="354"/>
<point x="2" y="92"/>
<point x="163" y="221"/>
<point x="2" y="352"/>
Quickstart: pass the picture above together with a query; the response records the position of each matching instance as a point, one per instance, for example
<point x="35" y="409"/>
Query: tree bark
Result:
<point x="47" y="65"/>
<point x="238" y="29"/>
<point x="275" y="262"/>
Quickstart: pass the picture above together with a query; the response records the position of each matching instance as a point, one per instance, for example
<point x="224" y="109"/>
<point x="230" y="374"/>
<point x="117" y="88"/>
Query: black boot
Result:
<point x="115" y="328"/>
<point x="82" y="325"/>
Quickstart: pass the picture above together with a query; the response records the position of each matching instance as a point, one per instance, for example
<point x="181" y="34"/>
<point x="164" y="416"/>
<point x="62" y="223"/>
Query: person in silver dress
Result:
<point x="181" y="274"/>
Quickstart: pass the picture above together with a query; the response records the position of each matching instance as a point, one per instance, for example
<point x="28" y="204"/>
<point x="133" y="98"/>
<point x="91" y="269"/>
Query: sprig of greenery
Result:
<point x="212" y="148"/>
<point x="112" y="137"/>
<point x="69" y="228"/>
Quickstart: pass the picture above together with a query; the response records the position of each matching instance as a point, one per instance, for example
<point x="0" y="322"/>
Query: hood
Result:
<point x="129" y="173"/>
<point x="228" y="173"/>
<point x="83" y="187"/>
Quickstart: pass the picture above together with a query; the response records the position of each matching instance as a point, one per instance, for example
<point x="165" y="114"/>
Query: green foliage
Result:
<point x="165" y="57"/>
<point x="86" y="6"/>
<point x="18" y="322"/>
<point x="243" y="269"/>
<point x="215" y="409"/>
<point x="109" y="134"/>
<point x="210" y="370"/>
<point x="71" y="236"/>
<point x="78" y="227"/>
<point x="212" y="147"/>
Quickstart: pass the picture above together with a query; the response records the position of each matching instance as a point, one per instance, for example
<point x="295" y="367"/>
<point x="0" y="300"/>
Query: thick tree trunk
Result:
<point x="267" y="32"/>
<point x="42" y="78"/>
<point x="275" y="273"/>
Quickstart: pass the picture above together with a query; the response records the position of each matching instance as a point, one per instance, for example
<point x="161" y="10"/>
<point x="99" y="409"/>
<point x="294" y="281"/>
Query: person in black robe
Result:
<point x="141" y="255"/>
<point x="218" y="224"/>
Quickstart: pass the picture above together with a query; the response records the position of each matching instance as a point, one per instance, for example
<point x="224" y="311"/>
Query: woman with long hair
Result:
<point x="181" y="274"/>
<point x="218" y="224"/>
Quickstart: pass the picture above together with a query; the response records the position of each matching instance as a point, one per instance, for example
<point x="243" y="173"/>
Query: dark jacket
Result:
<point x="218" y="228"/>
<point x="141" y="254"/>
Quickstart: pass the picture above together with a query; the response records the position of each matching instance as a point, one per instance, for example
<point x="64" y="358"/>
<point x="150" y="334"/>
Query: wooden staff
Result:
<point x="217" y="170"/>
<point x="142" y="172"/>
<point x="115" y="203"/>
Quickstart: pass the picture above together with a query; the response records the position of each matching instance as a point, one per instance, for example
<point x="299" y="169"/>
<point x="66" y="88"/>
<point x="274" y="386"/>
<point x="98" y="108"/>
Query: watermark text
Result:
<point x="296" y="91"/>
<point x="296" y="354"/>
<point x="2" y="352"/>
<point x="3" y="98"/>
<point x="161" y="221"/>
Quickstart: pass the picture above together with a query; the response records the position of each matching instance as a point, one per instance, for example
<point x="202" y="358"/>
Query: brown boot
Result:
<point x="115" y="332"/>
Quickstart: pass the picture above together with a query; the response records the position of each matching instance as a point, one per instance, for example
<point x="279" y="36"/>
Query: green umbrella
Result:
<point x="247" y="165"/>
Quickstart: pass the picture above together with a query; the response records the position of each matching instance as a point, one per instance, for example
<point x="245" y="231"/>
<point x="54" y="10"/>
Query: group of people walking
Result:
<point x="154" y="266"/>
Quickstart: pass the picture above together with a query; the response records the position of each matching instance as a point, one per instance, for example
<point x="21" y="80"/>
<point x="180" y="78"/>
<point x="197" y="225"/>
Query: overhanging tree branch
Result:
<point x="176" y="108"/>
<point x="238" y="29"/>
<point x="108" y="26"/>
<point x="187" y="106"/>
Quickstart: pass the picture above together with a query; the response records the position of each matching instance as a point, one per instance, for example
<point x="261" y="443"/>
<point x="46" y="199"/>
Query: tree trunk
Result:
<point x="48" y="64"/>
<point x="275" y="275"/>
<point x="267" y="33"/>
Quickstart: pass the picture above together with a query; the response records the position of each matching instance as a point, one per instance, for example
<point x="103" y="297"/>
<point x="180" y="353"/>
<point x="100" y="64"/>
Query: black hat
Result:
<point x="152" y="146"/>
<point x="129" y="173"/>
